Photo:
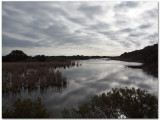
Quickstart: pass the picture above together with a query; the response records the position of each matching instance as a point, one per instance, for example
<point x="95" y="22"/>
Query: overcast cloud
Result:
<point x="78" y="28"/>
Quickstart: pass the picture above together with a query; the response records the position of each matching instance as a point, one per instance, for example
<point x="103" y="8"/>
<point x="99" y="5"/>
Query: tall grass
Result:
<point x="32" y="75"/>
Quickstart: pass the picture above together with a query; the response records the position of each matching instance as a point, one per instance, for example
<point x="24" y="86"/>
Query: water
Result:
<point x="92" y="77"/>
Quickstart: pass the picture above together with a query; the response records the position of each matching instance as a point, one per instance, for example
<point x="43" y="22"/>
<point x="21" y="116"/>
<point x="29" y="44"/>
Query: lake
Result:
<point x="92" y="77"/>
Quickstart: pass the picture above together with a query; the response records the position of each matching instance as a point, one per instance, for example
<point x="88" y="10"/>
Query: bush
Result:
<point x="118" y="103"/>
<point x="26" y="109"/>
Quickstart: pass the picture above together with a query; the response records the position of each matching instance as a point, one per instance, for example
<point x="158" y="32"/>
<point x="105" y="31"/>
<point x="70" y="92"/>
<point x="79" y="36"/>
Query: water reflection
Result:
<point x="92" y="77"/>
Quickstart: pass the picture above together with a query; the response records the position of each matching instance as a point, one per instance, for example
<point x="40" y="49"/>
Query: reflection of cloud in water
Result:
<point x="90" y="79"/>
<point x="95" y="77"/>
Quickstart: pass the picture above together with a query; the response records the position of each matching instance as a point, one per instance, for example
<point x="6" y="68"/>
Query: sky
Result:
<point x="78" y="28"/>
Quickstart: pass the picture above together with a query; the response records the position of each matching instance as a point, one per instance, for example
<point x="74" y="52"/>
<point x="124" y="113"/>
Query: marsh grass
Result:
<point x="16" y="76"/>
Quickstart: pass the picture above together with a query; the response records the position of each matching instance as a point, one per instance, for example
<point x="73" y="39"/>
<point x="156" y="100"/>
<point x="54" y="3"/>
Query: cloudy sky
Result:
<point x="78" y="28"/>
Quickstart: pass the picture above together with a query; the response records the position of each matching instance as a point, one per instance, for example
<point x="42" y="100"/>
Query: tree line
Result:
<point x="20" y="56"/>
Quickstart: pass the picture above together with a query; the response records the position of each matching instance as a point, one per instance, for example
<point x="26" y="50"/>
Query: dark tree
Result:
<point x="148" y="56"/>
<point x="17" y="53"/>
<point x="14" y="56"/>
<point x="40" y="58"/>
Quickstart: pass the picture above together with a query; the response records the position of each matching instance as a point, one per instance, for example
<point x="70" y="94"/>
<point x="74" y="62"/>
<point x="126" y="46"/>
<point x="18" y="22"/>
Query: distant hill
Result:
<point x="147" y="55"/>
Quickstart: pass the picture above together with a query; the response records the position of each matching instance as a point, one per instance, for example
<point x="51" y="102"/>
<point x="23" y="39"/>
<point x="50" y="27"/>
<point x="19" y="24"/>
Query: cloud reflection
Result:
<point x="95" y="77"/>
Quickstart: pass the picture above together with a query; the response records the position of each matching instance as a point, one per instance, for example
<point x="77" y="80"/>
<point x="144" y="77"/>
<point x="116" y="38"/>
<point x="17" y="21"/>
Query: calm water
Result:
<point x="92" y="77"/>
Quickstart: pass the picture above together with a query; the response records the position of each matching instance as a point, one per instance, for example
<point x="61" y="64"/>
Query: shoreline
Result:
<point x="150" y="69"/>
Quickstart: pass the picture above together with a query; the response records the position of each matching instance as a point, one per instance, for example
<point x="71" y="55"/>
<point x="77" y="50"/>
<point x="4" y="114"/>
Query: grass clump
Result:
<point x="118" y="103"/>
<point x="25" y="108"/>
<point x="31" y="75"/>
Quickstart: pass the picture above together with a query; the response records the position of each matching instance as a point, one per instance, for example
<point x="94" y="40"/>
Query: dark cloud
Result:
<point x="78" y="20"/>
<point x="121" y="22"/>
<point x="99" y="27"/>
<point x="10" y="42"/>
<point x="110" y="34"/>
<point x="144" y="26"/>
<point x="138" y="34"/>
<point x="56" y="30"/>
<point x="121" y="19"/>
<point x="126" y="30"/>
<point x="91" y="11"/>
<point x="32" y="35"/>
<point x="135" y="43"/>
<point x="126" y="4"/>
<point x="153" y="13"/>
<point x="152" y="37"/>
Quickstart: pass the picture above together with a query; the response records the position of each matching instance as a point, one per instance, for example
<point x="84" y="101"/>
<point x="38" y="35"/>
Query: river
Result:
<point x="92" y="77"/>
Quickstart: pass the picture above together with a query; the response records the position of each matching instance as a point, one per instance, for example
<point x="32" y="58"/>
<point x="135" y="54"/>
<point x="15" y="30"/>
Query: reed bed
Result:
<point x="30" y="75"/>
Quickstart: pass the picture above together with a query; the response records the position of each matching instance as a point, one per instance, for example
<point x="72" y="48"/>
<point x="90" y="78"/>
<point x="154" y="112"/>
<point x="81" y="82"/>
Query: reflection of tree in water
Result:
<point x="56" y="88"/>
<point x="118" y="103"/>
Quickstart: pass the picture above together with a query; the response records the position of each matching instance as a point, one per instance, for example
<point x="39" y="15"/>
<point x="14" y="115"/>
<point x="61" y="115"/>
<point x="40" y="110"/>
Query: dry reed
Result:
<point x="33" y="74"/>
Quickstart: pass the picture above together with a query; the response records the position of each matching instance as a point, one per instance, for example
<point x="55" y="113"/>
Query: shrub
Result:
<point x="25" y="108"/>
<point x="118" y="103"/>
